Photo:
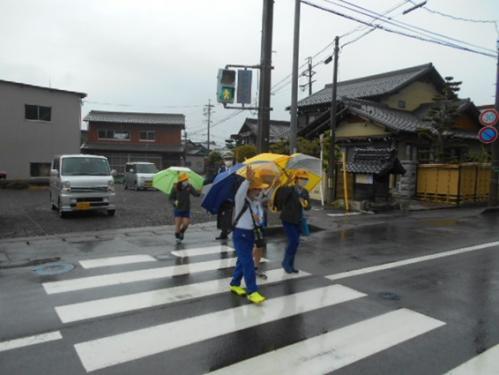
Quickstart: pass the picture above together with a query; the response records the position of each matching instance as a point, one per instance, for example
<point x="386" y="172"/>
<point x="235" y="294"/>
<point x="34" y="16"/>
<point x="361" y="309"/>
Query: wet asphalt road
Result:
<point x="28" y="213"/>
<point x="460" y="292"/>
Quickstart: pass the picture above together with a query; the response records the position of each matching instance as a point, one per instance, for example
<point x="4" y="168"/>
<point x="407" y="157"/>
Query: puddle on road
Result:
<point x="50" y="269"/>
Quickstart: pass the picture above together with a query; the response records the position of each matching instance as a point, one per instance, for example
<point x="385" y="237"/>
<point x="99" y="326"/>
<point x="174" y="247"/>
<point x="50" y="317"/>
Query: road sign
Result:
<point x="489" y="117"/>
<point x="487" y="134"/>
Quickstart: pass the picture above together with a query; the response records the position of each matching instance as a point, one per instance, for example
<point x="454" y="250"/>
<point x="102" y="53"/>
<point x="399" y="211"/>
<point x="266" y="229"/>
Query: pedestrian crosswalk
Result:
<point x="323" y="351"/>
<point x="136" y="301"/>
<point x="339" y="348"/>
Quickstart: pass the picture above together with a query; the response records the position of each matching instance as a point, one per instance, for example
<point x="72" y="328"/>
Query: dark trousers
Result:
<point x="293" y="234"/>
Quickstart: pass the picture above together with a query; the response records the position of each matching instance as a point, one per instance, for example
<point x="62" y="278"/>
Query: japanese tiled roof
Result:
<point x="136" y="118"/>
<point x="371" y="86"/>
<point x="278" y="129"/>
<point x="372" y="160"/>
<point x="397" y="120"/>
<point x="393" y="119"/>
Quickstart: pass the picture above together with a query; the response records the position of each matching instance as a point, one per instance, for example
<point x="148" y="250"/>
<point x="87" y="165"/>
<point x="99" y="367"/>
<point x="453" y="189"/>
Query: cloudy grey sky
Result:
<point x="163" y="55"/>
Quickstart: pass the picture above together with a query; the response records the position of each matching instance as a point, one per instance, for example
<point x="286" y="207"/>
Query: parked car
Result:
<point x="138" y="175"/>
<point x="81" y="183"/>
<point x="3" y="175"/>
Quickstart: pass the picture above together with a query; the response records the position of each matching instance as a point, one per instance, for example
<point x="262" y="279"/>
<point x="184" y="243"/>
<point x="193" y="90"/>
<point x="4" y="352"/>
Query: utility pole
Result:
<point x="494" y="175"/>
<point x="294" y="80"/>
<point x="185" y="147"/>
<point x="207" y="112"/>
<point x="332" y="147"/>
<point x="309" y="73"/>
<point x="265" y="77"/>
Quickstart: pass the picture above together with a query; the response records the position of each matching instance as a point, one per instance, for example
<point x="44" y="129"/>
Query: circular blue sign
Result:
<point x="489" y="117"/>
<point x="487" y="134"/>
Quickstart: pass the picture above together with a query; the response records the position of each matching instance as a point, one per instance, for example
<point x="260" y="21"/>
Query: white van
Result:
<point x="139" y="174"/>
<point x="80" y="183"/>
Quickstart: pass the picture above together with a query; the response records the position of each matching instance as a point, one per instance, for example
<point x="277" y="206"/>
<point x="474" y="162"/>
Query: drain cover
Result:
<point x="389" y="295"/>
<point x="50" y="269"/>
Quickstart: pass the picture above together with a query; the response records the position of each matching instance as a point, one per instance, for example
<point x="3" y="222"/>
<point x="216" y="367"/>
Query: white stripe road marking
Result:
<point x="333" y="350"/>
<point x="30" y="340"/>
<point x="344" y="214"/>
<point x="115" y="261"/>
<point x="203" y="251"/>
<point x="401" y="263"/>
<point x="486" y="363"/>
<point x="130" y="302"/>
<point x="53" y="287"/>
<point x="108" y="351"/>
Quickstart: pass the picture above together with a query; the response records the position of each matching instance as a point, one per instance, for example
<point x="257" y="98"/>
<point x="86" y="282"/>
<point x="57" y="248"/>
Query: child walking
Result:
<point x="180" y="197"/>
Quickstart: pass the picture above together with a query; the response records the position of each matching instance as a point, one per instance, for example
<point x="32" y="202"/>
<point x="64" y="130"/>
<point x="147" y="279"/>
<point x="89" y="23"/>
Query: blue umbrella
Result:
<point x="223" y="188"/>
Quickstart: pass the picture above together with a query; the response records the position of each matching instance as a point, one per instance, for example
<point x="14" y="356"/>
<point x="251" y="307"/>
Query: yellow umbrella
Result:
<point x="290" y="164"/>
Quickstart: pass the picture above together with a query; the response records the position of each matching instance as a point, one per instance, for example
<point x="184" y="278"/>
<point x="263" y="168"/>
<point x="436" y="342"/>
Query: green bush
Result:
<point x="244" y="152"/>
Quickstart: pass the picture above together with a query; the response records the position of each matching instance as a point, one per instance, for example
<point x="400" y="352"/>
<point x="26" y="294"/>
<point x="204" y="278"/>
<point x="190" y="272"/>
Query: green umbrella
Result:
<point x="165" y="179"/>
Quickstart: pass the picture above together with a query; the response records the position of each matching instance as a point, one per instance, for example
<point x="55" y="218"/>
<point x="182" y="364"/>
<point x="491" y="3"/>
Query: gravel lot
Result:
<point x="28" y="213"/>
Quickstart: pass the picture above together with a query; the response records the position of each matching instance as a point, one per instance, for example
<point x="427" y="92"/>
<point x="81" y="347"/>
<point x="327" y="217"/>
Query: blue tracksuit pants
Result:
<point x="293" y="234"/>
<point x="243" y="242"/>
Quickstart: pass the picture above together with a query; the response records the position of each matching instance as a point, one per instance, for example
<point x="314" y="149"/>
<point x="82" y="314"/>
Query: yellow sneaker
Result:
<point x="238" y="290"/>
<point x="256" y="298"/>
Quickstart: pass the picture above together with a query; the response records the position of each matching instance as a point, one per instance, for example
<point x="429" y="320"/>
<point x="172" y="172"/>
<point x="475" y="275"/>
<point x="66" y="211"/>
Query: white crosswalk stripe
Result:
<point x="54" y="287"/>
<point x="108" y="351"/>
<point x="486" y="363"/>
<point x="339" y="348"/>
<point x="203" y="251"/>
<point x="324" y="353"/>
<point x="30" y="340"/>
<point x="130" y="302"/>
<point x="116" y="261"/>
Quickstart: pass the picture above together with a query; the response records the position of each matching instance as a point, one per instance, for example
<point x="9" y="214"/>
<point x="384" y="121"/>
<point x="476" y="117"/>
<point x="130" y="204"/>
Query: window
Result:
<point x="122" y="135"/>
<point x="39" y="169"/>
<point x="146" y="168"/>
<point x="85" y="166"/>
<point x="37" y="112"/>
<point x="147" y="135"/>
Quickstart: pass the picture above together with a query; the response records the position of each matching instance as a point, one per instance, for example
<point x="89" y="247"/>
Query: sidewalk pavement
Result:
<point x="31" y="251"/>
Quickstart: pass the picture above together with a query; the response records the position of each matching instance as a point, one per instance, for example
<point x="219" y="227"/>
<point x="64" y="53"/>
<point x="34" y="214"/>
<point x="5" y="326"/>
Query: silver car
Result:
<point x="81" y="183"/>
<point x="138" y="175"/>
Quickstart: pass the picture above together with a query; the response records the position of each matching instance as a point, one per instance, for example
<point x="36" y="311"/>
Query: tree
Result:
<point x="441" y="118"/>
<point x="214" y="159"/>
<point x="244" y="152"/>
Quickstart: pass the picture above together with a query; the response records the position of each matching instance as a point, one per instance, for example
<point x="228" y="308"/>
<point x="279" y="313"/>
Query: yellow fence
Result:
<point x="453" y="183"/>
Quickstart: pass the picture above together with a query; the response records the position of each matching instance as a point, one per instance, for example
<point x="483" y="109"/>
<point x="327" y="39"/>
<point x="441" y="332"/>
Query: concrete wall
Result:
<point x="359" y="129"/>
<point x="413" y="95"/>
<point x="25" y="141"/>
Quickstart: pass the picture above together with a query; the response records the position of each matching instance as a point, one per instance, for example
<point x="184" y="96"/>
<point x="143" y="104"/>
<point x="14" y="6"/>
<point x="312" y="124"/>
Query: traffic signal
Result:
<point x="226" y="87"/>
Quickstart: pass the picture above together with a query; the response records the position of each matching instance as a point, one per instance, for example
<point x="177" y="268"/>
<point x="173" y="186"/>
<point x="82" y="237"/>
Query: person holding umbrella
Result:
<point x="291" y="200"/>
<point x="248" y="211"/>
<point x="181" y="200"/>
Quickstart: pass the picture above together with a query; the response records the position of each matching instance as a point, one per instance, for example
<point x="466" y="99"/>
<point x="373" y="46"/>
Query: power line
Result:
<point x="434" y="41"/>
<point x="225" y="119"/>
<point x="283" y="82"/>
<point x="401" y="24"/>
<point x="359" y="28"/>
<point x="457" y="18"/>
